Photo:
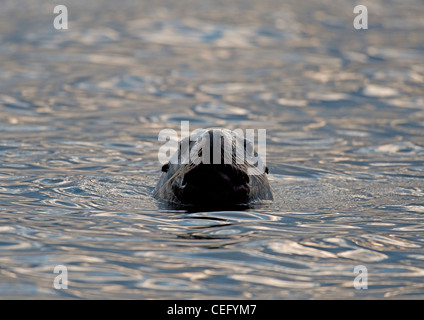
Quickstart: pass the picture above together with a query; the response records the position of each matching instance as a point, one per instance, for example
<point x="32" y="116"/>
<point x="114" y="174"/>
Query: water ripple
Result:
<point x="80" y="114"/>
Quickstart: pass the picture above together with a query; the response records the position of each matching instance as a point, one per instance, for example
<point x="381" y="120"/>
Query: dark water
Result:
<point x="80" y="113"/>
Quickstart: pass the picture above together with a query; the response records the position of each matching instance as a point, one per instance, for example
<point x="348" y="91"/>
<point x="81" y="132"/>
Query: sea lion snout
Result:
<point x="211" y="168"/>
<point x="211" y="183"/>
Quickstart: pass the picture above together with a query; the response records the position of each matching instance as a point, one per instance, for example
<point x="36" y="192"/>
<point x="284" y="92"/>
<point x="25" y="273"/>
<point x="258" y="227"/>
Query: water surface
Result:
<point x="81" y="110"/>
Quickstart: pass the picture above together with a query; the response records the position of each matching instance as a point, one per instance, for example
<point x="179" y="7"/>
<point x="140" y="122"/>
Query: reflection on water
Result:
<point x="81" y="109"/>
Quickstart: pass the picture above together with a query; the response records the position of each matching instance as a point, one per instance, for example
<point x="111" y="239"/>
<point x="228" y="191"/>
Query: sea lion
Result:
<point x="211" y="168"/>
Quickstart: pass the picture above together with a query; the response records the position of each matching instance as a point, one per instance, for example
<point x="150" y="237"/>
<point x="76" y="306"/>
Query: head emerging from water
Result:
<point x="214" y="167"/>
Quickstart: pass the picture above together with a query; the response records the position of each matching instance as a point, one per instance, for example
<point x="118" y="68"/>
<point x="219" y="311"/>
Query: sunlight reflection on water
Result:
<point x="80" y="113"/>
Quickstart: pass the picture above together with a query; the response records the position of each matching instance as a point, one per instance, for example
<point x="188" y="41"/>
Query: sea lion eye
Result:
<point x="246" y="178"/>
<point x="165" y="167"/>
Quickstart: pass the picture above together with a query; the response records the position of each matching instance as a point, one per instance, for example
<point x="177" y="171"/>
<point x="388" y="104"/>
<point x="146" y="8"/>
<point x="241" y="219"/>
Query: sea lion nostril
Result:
<point x="223" y="177"/>
<point x="242" y="189"/>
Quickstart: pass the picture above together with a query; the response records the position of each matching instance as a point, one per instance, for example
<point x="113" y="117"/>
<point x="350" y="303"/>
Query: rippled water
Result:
<point x="80" y="113"/>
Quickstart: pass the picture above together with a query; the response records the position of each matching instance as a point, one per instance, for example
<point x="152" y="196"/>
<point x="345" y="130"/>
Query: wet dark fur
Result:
<point x="212" y="184"/>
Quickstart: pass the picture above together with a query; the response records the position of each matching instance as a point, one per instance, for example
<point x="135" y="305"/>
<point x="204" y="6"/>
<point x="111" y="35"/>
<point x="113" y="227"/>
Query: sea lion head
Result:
<point x="210" y="168"/>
